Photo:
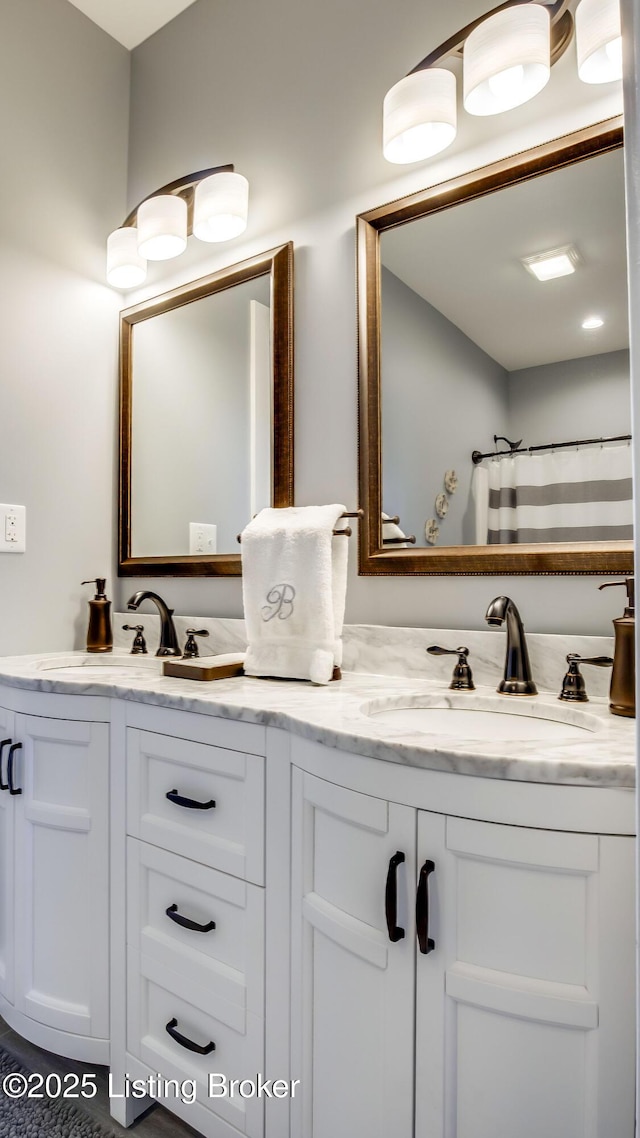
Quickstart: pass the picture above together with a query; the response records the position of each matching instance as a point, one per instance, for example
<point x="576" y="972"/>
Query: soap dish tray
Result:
<point x="205" y="667"/>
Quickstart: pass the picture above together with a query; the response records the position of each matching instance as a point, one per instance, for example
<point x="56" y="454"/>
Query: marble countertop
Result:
<point x="336" y="715"/>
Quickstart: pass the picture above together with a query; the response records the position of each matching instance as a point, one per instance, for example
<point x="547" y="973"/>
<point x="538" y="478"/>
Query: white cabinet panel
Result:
<point x="523" y="898"/>
<point x="227" y="959"/>
<point x="157" y="998"/>
<point x="228" y="835"/>
<point x="62" y="875"/>
<point x="521" y="1078"/>
<point x="7" y="863"/>
<point x="508" y="1004"/>
<point x="515" y="1034"/>
<point x="353" y="989"/>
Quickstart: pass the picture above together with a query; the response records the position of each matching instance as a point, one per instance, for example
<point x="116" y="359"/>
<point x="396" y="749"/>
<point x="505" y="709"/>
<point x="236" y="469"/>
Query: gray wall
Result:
<point x="291" y="92"/>
<point x="442" y="398"/>
<point x="575" y="399"/>
<point x="64" y="92"/>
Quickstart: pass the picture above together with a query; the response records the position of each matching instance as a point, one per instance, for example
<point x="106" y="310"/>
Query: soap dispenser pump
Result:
<point x="622" y="695"/>
<point x="99" y="635"/>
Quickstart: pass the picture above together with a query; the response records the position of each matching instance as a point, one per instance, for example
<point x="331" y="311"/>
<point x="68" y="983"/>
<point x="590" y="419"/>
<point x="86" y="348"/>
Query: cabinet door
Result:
<point x="6" y="865"/>
<point x="519" y="1029"/>
<point x="353" y="988"/>
<point x="61" y="850"/>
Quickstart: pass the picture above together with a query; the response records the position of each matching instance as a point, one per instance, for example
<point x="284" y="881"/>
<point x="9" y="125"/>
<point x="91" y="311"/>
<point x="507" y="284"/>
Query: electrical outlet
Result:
<point x="202" y="538"/>
<point x="13" y="525"/>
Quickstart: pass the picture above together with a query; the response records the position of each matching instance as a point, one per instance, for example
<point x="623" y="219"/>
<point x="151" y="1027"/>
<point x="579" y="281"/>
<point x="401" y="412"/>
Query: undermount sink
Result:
<point x="94" y="666"/>
<point x="483" y="718"/>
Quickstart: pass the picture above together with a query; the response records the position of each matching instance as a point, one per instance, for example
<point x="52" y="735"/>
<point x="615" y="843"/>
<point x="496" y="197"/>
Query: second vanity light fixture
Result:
<point x="506" y="59"/>
<point x="212" y="204"/>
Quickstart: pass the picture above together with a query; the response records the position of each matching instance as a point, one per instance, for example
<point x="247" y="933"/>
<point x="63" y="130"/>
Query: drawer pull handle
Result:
<point x="12" y="750"/>
<point x="174" y="915"/>
<point x="3" y="744"/>
<point x="391" y="898"/>
<point x="425" y="943"/>
<point x="188" y="1043"/>
<point x="189" y="803"/>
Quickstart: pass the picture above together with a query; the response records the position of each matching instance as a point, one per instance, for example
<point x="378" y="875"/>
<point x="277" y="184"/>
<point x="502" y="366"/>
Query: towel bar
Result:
<point x="346" y="532"/>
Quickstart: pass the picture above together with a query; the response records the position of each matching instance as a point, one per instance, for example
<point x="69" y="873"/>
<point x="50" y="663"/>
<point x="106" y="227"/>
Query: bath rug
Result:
<point x="45" y="1117"/>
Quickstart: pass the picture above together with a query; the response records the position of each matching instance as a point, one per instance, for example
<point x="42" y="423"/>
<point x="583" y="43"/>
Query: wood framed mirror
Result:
<point x="206" y="417"/>
<point x="461" y="346"/>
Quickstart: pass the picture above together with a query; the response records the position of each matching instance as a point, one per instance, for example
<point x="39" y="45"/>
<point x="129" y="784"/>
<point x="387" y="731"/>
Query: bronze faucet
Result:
<point x="517" y="678"/>
<point x="168" y="638"/>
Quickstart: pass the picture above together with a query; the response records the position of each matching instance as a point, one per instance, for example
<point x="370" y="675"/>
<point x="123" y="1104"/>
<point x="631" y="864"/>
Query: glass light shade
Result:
<point x="125" y="267"/>
<point x="507" y="59"/>
<point x="221" y="207"/>
<point x="162" y="227"/>
<point x="599" y="41"/>
<point x="419" y="116"/>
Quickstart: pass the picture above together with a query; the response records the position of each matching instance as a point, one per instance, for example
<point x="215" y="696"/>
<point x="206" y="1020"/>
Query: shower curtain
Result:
<point x="566" y="495"/>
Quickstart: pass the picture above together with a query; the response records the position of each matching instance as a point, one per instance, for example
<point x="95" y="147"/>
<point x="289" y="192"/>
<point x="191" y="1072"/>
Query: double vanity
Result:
<point x="419" y="903"/>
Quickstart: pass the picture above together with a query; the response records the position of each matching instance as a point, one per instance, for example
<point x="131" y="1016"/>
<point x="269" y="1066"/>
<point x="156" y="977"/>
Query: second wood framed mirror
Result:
<point x="206" y="417"/>
<point x="463" y="349"/>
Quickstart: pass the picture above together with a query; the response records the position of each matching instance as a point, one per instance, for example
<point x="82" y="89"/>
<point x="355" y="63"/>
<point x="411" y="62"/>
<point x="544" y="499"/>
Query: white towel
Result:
<point x="294" y="585"/>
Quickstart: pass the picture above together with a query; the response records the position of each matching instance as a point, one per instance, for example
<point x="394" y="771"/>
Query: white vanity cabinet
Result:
<point x="195" y="910"/>
<point x="54" y="875"/>
<point x="494" y="996"/>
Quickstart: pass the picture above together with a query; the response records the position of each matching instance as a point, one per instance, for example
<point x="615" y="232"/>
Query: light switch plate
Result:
<point x="13" y="529"/>
<point x="202" y="538"/>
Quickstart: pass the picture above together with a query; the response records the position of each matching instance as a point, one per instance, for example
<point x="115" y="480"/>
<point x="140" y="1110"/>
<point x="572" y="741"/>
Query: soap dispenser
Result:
<point x="622" y="695"/>
<point x="99" y="635"/>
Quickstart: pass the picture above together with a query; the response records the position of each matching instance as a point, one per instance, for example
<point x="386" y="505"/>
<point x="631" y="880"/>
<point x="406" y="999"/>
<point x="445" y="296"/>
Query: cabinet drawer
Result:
<point x="227" y="960"/>
<point x="156" y="998"/>
<point x="228" y="835"/>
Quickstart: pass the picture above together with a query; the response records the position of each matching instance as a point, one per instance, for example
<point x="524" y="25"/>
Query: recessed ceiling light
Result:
<point x="554" y="263"/>
<point x="592" y="322"/>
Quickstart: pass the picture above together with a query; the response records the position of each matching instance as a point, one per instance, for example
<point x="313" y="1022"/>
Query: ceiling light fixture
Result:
<point x="212" y="204"/>
<point x="592" y="322"/>
<point x="507" y="57"/>
<point x="553" y="263"/>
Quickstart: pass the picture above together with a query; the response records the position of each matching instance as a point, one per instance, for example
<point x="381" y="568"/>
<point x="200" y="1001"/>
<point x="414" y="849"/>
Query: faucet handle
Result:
<point x="191" y="648"/>
<point x="573" y="686"/>
<point x="462" y="679"/>
<point x="139" y="646"/>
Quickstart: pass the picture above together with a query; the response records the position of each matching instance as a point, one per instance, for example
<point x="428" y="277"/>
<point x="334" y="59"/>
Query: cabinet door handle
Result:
<point x="189" y="803"/>
<point x="391" y="898"/>
<point x="425" y="943"/>
<point x="12" y="750"/>
<point x="174" y="915"/>
<point x="3" y="744"/>
<point x="188" y="1043"/>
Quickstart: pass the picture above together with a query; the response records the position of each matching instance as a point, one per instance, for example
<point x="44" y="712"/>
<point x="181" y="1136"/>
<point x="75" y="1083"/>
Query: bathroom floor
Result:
<point x="156" y="1123"/>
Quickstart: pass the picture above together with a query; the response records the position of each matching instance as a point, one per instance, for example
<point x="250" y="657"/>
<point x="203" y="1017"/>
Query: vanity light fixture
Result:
<point x="212" y="204"/>
<point x="554" y="263"/>
<point x="592" y="322"/>
<point x="507" y="57"/>
<point x="599" y="41"/>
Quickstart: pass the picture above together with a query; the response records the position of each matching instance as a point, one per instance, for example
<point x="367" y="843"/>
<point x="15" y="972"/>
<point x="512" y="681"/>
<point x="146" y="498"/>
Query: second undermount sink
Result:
<point x="483" y="718"/>
<point x="88" y="667"/>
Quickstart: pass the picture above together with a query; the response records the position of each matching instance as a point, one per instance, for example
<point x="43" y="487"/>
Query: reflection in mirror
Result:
<point x="467" y="345"/>
<point x="206" y="417"/>
<point x="194" y="439"/>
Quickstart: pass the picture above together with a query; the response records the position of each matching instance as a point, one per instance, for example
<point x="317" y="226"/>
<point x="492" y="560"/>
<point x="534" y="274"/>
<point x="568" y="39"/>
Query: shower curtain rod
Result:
<point x="517" y="448"/>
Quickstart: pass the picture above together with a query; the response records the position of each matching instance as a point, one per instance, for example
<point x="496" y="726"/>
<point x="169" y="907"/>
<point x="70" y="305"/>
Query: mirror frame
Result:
<point x="541" y="559"/>
<point x="278" y="264"/>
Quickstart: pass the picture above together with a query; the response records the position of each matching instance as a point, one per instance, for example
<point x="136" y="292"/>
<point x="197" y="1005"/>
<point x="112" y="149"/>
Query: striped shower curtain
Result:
<point x="565" y="495"/>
